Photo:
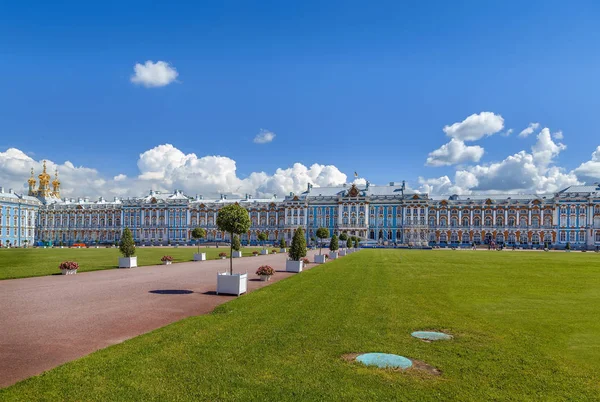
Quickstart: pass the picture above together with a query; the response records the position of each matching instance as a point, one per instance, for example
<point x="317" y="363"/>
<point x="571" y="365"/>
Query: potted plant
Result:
<point x="197" y="234"/>
<point x="568" y="247"/>
<point x="356" y="244"/>
<point x="343" y="237"/>
<point x="349" y="245"/>
<point x="262" y="237"/>
<point x="236" y="246"/>
<point x="322" y="233"/>
<point x="255" y="253"/>
<point x="167" y="259"/>
<point x="235" y="220"/>
<point x="282" y="245"/>
<point x="333" y="247"/>
<point x="297" y="252"/>
<point x="222" y="255"/>
<point x="265" y="272"/>
<point x="305" y="261"/>
<point x="127" y="248"/>
<point x="273" y="251"/>
<point x="68" y="267"/>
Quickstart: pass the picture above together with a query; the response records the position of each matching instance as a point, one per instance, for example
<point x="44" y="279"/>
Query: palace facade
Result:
<point x="385" y="214"/>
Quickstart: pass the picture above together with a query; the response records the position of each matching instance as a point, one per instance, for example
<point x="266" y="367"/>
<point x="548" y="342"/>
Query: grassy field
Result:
<point x="526" y="327"/>
<point x="26" y="262"/>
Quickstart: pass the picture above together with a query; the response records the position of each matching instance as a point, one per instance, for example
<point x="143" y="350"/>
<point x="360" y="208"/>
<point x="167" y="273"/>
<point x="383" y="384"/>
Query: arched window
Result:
<point x="477" y="238"/>
<point x="488" y="221"/>
<point x="477" y="221"/>
<point x="443" y="238"/>
<point x="454" y="237"/>
<point x="453" y="222"/>
<point x="511" y="221"/>
<point x="535" y="222"/>
<point x="535" y="238"/>
<point x="465" y="238"/>
<point x="465" y="221"/>
<point x="523" y="222"/>
<point x="598" y="236"/>
<point x="581" y="237"/>
<point x="563" y="236"/>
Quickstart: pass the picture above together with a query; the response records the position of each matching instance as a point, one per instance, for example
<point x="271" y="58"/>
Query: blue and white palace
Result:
<point x="385" y="214"/>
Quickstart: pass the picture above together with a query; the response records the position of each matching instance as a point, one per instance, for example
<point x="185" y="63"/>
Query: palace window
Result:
<point x="512" y="238"/>
<point x="523" y="239"/>
<point x="488" y="221"/>
<point x="581" y="220"/>
<point x="432" y="221"/>
<point x="535" y="238"/>
<point x="453" y="222"/>
<point x="454" y="237"/>
<point x="476" y="221"/>
<point x="547" y="221"/>
<point x="511" y="221"/>
<point x="523" y="222"/>
<point x="581" y="237"/>
<point x="597" y="236"/>
<point x="465" y="238"/>
<point x="535" y="222"/>
<point x="572" y="236"/>
<point x="477" y="238"/>
<point x="563" y="236"/>
<point x="465" y="221"/>
<point x="443" y="238"/>
<point x="499" y="221"/>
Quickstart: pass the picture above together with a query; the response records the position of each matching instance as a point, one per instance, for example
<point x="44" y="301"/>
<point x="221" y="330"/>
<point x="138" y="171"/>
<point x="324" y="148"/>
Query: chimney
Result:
<point x="10" y="191"/>
<point x="2" y="190"/>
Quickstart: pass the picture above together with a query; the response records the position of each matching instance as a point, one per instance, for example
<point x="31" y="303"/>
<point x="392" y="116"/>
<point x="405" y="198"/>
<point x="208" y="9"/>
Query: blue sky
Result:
<point x="363" y="86"/>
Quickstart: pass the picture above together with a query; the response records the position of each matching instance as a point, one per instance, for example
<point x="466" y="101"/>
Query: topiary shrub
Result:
<point x="333" y="245"/>
<point x="343" y="236"/>
<point x="127" y="246"/>
<point x="322" y="233"/>
<point x="235" y="243"/>
<point x="197" y="234"/>
<point x="282" y="243"/>
<point x="235" y="220"/>
<point x="349" y="243"/>
<point x="298" y="247"/>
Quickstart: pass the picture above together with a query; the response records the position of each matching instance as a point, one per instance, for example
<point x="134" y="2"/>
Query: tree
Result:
<point x="568" y="246"/>
<point x="233" y="219"/>
<point x="197" y="234"/>
<point x="282" y="243"/>
<point x="343" y="236"/>
<point x="235" y="243"/>
<point x="262" y="237"/>
<point x="349" y="243"/>
<point x="298" y="247"/>
<point x="127" y="246"/>
<point x="356" y="245"/>
<point x="333" y="245"/>
<point x="322" y="233"/>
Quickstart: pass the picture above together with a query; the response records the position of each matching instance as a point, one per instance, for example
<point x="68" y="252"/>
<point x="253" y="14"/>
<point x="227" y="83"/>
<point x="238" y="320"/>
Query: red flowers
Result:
<point x="222" y="254"/>
<point x="305" y="261"/>
<point x="265" y="270"/>
<point x="70" y="265"/>
<point x="166" y="258"/>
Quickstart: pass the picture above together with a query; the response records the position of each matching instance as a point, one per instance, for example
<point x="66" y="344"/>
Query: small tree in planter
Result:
<point x="322" y="233"/>
<point x="262" y="237"/>
<point x="235" y="220"/>
<point x="349" y="243"/>
<point x="167" y="260"/>
<point x="222" y="255"/>
<point x="333" y="247"/>
<point x="343" y="236"/>
<point x="568" y="246"/>
<point x="198" y="234"/>
<point x="68" y="267"/>
<point x="282" y="245"/>
<point x="297" y="251"/>
<point x="236" y="245"/>
<point x="255" y="253"/>
<point x="356" y="244"/>
<point x="127" y="248"/>
<point x="265" y="272"/>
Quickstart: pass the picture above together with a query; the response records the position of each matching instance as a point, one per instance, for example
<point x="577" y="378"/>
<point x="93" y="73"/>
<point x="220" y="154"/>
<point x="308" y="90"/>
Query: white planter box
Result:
<point x="167" y="262"/>
<point x="342" y="253"/>
<point x="264" y="252"/>
<point x="333" y="255"/>
<point x="235" y="284"/>
<point x="294" y="266"/>
<point x="222" y="258"/>
<point x="283" y="250"/>
<point x="237" y="254"/>
<point x="199" y="256"/>
<point x="320" y="259"/>
<point x="125" y="262"/>
<point x="68" y="271"/>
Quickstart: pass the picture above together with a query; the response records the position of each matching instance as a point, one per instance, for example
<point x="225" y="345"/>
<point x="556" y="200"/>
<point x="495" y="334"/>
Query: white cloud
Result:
<point x="529" y="130"/>
<point x="507" y="132"/>
<point x="119" y="177"/>
<point x="558" y="135"/>
<point x="475" y="127"/>
<point x="454" y="152"/>
<point x="524" y="171"/>
<point x="152" y="74"/>
<point x="264" y="136"/>
<point x="589" y="171"/>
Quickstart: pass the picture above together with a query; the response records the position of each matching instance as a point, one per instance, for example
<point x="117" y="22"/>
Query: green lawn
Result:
<point x="526" y="327"/>
<point x="26" y="262"/>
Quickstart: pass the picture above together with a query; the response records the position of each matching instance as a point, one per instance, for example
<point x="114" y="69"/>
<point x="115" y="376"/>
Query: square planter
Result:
<point x="294" y="266"/>
<point x="283" y="250"/>
<point x="235" y="284"/>
<point x="68" y="271"/>
<point x="199" y="256"/>
<point x="342" y="253"/>
<point x="127" y="262"/>
<point x="320" y="259"/>
<point x="236" y="254"/>
<point x="333" y="255"/>
<point x="264" y="252"/>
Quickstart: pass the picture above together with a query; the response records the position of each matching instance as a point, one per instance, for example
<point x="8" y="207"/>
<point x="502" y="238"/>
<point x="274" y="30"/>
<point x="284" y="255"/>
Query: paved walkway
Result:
<point x="48" y="321"/>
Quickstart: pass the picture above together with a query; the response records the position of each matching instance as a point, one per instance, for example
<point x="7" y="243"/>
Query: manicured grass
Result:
<point x="26" y="262"/>
<point x="526" y="327"/>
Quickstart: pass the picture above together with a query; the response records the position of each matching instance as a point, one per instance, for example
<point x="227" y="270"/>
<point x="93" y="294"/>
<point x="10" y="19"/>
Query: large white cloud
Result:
<point x="152" y="74"/>
<point x="454" y="152"/>
<point x="475" y="127"/>
<point x="522" y="172"/>
<point x="166" y="168"/>
<point x="590" y="171"/>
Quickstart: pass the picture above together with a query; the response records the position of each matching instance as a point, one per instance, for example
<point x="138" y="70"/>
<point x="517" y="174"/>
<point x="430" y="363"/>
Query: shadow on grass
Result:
<point x="171" y="292"/>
